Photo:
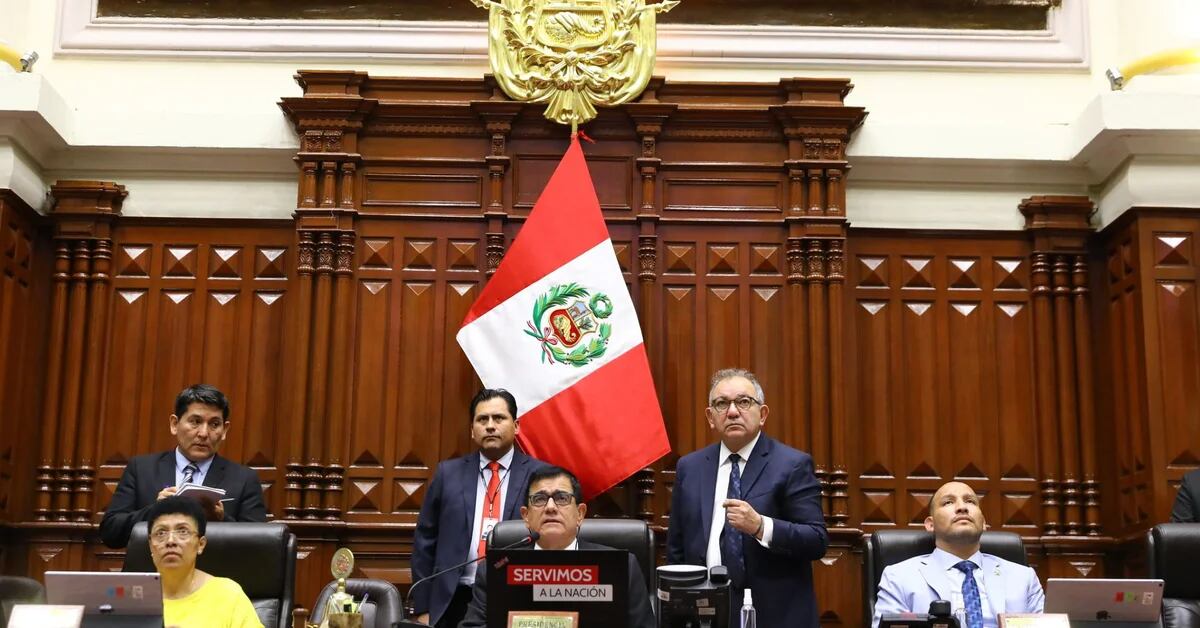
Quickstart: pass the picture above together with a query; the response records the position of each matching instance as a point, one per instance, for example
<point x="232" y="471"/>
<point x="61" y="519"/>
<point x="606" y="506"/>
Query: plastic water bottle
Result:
<point x="749" y="615"/>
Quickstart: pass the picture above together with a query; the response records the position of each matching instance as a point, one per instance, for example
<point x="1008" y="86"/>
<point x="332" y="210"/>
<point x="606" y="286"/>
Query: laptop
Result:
<point x="109" y="598"/>
<point x="1112" y="601"/>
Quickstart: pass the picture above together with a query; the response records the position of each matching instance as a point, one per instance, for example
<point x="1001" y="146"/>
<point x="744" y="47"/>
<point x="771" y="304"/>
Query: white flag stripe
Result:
<point x="495" y="341"/>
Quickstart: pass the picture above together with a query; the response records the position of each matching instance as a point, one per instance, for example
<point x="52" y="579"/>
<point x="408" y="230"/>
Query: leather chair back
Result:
<point x="1172" y="553"/>
<point x="384" y="606"/>
<point x="261" y="557"/>
<point x="627" y="534"/>
<point x="888" y="547"/>
<point x="18" y="590"/>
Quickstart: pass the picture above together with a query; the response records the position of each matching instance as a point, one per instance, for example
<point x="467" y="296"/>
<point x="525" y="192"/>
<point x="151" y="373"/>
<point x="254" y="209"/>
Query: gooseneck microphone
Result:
<point x="531" y="538"/>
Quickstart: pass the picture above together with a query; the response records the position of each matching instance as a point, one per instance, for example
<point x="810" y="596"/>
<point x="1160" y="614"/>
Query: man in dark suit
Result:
<point x="200" y="424"/>
<point x="1187" y="509"/>
<point x="752" y="504"/>
<point x="554" y="510"/>
<point x="466" y="497"/>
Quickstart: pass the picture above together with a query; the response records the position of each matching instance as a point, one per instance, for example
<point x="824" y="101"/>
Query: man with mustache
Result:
<point x="200" y="425"/>
<point x="978" y="586"/>
<point x="752" y="504"/>
<point x="466" y="498"/>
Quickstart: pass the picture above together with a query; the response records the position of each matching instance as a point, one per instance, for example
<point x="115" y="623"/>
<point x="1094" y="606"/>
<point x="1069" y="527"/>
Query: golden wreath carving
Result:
<point x="572" y="54"/>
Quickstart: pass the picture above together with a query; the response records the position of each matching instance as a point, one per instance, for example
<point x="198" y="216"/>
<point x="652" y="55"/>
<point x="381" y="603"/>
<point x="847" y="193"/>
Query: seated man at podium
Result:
<point x="978" y="586"/>
<point x="200" y="425"/>
<point x="554" y="509"/>
<point x="192" y="598"/>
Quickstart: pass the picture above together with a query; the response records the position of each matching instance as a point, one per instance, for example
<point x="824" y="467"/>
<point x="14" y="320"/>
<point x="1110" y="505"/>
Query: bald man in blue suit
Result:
<point x="957" y="524"/>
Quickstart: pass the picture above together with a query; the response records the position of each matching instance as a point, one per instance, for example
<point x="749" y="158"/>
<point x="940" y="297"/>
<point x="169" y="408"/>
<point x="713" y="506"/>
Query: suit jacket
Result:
<point x="778" y="482"/>
<point x="1187" y="508"/>
<point x="909" y="587"/>
<point x="146" y="475"/>
<point x="444" y="533"/>
<point x="640" y="613"/>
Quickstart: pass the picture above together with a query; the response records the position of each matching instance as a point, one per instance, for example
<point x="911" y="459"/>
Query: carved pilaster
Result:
<point x="83" y="215"/>
<point x="494" y="252"/>
<point x="1059" y="227"/>
<point x="839" y="478"/>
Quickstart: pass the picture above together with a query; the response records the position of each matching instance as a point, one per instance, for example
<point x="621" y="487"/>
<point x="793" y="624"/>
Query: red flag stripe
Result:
<point x="569" y="225"/>
<point x="625" y="430"/>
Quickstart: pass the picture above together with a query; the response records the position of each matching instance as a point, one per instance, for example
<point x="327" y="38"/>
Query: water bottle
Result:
<point x="749" y="615"/>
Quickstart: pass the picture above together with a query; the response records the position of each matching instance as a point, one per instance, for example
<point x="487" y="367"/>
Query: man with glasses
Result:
<point x="752" y="504"/>
<point x="200" y="425"/>
<point x="192" y="598"/>
<point x="465" y="499"/>
<point x="555" y="509"/>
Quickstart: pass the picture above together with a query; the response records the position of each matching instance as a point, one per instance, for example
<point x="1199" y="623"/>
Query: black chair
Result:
<point x="17" y="590"/>
<point x="261" y="557"/>
<point x="1172" y="553"/>
<point x="888" y="547"/>
<point x="384" y="606"/>
<point x="627" y="534"/>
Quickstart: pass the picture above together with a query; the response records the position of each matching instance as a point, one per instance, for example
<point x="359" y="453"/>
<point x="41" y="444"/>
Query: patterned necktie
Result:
<point x="491" y="503"/>
<point x="731" y="538"/>
<point x="189" y="472"/>
<point x="970" y="592"/>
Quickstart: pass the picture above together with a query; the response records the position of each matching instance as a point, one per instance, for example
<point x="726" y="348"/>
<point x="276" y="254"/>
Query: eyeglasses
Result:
<point x="742" y="403"/>
<point x="561" y="498"/>
<point x="183" y="535"/>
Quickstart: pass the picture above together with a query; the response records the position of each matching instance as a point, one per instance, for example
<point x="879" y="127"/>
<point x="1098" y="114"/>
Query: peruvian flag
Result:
<point x="555" y="326"/>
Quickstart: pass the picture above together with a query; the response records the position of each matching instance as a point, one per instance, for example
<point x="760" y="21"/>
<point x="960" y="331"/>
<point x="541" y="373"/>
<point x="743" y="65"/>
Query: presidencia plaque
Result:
<point x="572" y="55"/>
<point x="543" y="619"/>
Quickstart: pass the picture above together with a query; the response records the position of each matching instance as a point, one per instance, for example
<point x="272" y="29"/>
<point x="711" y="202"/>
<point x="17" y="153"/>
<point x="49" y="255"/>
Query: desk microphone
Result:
<point x="528" y="540"/>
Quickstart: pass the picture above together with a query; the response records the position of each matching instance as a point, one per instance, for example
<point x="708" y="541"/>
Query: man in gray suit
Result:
<point x="978" y="586"/>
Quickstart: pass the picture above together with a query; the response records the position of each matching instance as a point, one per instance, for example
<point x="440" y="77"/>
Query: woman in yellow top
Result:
<point x="192" y="598"/>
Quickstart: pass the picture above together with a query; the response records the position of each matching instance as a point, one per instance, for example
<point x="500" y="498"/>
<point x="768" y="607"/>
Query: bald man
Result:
<point x="978" y="586"/>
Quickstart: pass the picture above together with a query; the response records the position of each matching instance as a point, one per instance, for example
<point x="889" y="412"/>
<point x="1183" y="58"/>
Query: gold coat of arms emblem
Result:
<point x="572" y="55"/>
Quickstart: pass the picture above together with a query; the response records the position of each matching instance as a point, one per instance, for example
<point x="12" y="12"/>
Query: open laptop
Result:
<point x="591" y="582"/>
<point x="109" y="598"/>
<point x="1107" y="601"/>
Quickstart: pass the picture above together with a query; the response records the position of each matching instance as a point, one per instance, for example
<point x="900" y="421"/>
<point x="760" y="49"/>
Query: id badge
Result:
<point x="488" y="524"/>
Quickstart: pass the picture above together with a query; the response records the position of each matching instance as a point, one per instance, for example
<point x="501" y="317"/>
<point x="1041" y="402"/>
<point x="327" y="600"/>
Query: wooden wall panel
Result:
<point x="938" y="324"/>
<point x="25" y="262"/>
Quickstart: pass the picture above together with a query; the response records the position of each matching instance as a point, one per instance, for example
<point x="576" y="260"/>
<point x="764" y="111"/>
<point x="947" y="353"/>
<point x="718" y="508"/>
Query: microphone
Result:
<point x="531" y="538"/>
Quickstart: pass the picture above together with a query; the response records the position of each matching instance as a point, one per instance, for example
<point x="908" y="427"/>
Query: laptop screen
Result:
<point x="1098" y="599"/>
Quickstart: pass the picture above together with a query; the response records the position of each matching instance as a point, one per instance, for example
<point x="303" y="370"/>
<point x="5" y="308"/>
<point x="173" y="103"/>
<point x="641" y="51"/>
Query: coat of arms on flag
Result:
<point x="586" y="401"/>
<point x="571" y="318"/>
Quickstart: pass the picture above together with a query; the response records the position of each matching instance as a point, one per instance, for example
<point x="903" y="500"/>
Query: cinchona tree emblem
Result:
<point x="569" y="326"/>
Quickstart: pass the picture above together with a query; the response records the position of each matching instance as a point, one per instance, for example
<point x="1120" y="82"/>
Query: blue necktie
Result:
<point x="189" y="472"/>
<point x="731" y="537"/>
<point x="970" y="592"/>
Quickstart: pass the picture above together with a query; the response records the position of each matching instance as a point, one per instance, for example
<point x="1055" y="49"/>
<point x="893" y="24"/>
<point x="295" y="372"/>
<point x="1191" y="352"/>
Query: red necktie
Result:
<point x="491" y="503"/>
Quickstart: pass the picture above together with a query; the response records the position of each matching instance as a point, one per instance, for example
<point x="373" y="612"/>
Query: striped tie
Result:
<point x="189" y="472"/>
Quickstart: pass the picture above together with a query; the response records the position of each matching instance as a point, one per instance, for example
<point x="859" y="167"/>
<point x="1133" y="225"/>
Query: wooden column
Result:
<point x="327" y="206"/>
<point x="1059" y="228"/>
<point x="83" y="214"/>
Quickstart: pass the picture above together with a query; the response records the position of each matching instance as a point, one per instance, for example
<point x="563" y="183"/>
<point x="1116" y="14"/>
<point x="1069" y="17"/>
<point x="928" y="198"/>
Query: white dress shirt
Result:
<point x="485" y="476"/>
<point x="181" y="463"/>
<point x="713" y="556"/>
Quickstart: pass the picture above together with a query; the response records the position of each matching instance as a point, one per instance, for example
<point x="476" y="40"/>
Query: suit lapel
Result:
<point x="517" y="476"/>
<point x="993" y="582"/>
<point x="937" y="580"/>
<point x="216" y="472"/>
<point x="708" y="486"/>
<point x="468" y="472"/>
<point x="164" y="471"/>
<point x="755" y="465"/>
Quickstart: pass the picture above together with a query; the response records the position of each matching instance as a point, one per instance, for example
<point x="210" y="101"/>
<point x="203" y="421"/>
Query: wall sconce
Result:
<point x="1118" y="77"/>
